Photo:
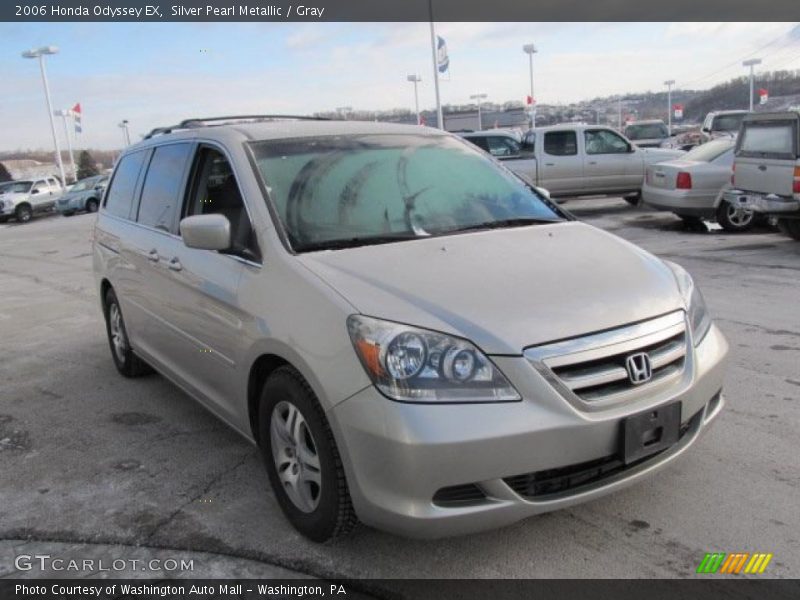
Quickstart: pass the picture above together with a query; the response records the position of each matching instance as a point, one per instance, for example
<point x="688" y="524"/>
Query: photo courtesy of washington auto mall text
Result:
<point x="400" y="300"/>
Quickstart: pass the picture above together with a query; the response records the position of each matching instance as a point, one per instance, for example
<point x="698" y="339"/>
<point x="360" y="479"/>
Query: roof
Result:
<point x="770" y="116"/>
<point x="647" y="122"/>
<point x="729" y="112"/>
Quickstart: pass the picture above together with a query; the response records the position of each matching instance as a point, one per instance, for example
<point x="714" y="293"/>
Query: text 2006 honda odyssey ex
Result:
<point x="412" y="336"/>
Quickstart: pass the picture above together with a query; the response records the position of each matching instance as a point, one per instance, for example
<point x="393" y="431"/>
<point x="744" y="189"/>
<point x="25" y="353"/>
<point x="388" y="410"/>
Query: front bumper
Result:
<point x="397" y="456"/>
<point x="762" y="203"/>
<point x="685" y="202"/>
<point x="69" y="204"/>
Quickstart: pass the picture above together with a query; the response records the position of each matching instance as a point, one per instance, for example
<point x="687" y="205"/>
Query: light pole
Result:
<point x="751" y="63"/>
<point x="530" y="50"/>
<point x="40" y="54"/>
<point x="124" y="126"/>
<point x="64" y="114"/>
<point x="479" y="97"/>
<point x="669" y="83"/>
<point x="415" y="79"/>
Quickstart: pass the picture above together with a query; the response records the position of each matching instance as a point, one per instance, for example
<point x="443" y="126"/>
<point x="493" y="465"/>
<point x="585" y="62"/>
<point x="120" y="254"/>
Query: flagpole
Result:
<point x="63" y="114"/>
<point x="439" y="117"/>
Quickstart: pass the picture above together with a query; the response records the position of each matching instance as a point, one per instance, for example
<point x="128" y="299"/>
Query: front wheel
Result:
<point x="91" y="205"/>
<point x="633" y="199"/>
<point x="790" y="227"/>
<point x="23" y="213"/>
<point x="302" y="459"/>
<point x="733" y="218"/>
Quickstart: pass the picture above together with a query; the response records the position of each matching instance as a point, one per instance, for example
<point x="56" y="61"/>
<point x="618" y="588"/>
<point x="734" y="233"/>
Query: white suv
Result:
<point x="22" y="199"/>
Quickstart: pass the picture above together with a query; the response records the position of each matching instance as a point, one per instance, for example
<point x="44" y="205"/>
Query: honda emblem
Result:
<point x="639" y="367"/>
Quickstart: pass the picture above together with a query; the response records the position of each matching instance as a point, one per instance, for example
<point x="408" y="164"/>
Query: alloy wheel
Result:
<point x="294" y="452"/>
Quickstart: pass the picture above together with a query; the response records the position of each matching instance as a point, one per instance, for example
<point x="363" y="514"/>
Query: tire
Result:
<point x="693" y="223"/>
<point x="790" y="227"/>
<point x="4" y="219"/>
<point x="23" y="213"/>
<point x="311" y="491"/>
<point x="734" y="219"/>
<point x="126" y="361"/>
<point x="68" y="214"/>
<point x="633" y="199"/>
<point x="91" y="205"/>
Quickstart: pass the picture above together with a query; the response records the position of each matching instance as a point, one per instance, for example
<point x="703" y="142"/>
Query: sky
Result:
<point x="160" y="73"/>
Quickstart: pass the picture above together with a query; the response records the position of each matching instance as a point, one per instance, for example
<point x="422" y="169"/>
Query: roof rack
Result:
<point x="201" y="122"/>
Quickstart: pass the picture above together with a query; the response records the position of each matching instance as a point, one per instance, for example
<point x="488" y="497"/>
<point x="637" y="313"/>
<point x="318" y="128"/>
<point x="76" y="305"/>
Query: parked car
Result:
<point x="574" y="159"/>
<point x="690" y="186"/>
<point x="411" y="335"/>
<point x="83" y="195"/>
<point x="27" y="197"/>
<point x="767" y="169"/>
<point x="647" y="134"/>
<point x="722" y="123"/>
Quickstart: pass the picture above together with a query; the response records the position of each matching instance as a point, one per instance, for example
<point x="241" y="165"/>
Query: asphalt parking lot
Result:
<point x="87" y="457"/>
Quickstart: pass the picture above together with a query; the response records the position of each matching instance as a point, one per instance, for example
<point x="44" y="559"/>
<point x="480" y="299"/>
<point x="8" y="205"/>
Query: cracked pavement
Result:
<point x="91" y="462"/>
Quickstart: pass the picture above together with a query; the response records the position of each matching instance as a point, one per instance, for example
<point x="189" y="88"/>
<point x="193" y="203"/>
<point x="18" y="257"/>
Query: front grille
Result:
<point x="459" y="495"/>
<point x="598" y="379"/>
<point x="592" y="369"/>
<point x="542" y="484"/>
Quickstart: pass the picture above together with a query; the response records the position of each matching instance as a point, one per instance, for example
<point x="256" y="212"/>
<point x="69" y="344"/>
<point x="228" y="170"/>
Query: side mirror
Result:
<point x="206" y="232"/>
<point x="705" y="130"/>
<point x="34" y="191"/>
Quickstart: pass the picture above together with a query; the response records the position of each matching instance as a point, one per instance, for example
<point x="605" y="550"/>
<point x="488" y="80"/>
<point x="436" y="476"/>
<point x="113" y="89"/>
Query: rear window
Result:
<point x="120" y="194"/>
<point x="729" y="123"/>
<point x="708" y="151"/>
<point x="775" y="139"/>
<point x="646" y="131"/>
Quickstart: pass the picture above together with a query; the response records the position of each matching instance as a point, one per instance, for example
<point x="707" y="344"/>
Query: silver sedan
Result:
<point x="690" y="186"/>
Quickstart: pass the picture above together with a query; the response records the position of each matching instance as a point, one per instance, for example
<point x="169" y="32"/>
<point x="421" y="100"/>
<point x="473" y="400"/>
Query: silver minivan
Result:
<point x="413" y="336"/>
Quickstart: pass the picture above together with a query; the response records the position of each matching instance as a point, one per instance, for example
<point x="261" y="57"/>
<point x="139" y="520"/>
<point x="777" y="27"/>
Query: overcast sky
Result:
<point x="159" y="73"/>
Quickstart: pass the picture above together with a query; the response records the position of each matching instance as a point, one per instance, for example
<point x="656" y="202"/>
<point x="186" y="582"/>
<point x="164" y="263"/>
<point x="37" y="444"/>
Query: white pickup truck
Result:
<point x="21" y="199"/>
<point x="574" y="159"/>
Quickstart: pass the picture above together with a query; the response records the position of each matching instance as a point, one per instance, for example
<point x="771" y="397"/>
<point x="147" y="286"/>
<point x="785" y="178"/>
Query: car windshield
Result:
<point x="728" y="122"/>
<point x="342" y="191"/>
<point x="83" y="184"/>
<point x="708" y="151"/>
<point x="646" y="131"/>
<point x="18" y="187"/>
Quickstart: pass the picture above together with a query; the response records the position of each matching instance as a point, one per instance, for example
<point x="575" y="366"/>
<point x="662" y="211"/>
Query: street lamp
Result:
<point x="751" y="63"/>
<point x="479" y="97"/>
<point x="415" y="79"/>
<point x="64" y="114"/>
<point x="124" y="126"/>
<point x="669" y="83"/>
<point x="530" y="50"/>
<point x="40" y="53"/>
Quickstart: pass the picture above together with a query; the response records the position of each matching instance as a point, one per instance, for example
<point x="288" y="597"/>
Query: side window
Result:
<point x="214" y="191"/>
<point x="561" y="143"/>
<point x="162" y="186"/>
<point x="502" y="146"/>
<point x="120" y="195"/>
<point x="40" y="187"/>
<point x="480" y="142"/>
<point x="603" y="141"/>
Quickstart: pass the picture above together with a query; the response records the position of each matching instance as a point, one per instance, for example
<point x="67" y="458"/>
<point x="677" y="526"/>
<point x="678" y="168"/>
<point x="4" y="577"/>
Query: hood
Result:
<point x="15" y="196"/>
<point x="504" y="289"/>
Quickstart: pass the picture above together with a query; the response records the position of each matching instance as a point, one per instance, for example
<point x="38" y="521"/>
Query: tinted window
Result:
<point x="120" y="194"/>
<point x="561" y="143"/>
<point x="378" y="188"/>
<point x="728" y="122"/>
<point x="480" y="142"/>
<point x="602" y="141"/>
<point x="645" y="131"/>
<point x="162" y="184"/>
<point x="215" y="191"/>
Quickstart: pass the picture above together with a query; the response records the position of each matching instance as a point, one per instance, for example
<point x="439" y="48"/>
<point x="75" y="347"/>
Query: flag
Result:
<point x="530" y="100"/>
<point x="76" y="117"/>
<point x="442" y="60"/>
<point x="763" y="96"/>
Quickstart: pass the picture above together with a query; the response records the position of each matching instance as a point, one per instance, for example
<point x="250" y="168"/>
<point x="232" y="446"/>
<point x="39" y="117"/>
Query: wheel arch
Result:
<point x="263" y="366"/>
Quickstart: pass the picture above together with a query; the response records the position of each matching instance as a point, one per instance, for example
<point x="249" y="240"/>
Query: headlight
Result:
<point x="417" y="365"/>
<point x="699" y="319"/>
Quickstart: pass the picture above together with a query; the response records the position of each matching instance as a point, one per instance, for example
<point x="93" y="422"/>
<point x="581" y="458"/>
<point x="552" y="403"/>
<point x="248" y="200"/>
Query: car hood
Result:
<point x="14" y="196"/>
<point x="504" y="289"/>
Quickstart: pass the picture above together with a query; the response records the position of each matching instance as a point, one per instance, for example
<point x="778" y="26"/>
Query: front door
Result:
<point x="610" y="162"/>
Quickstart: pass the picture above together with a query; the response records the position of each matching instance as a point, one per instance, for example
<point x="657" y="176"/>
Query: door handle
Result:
<point x="153" y="255"/>
<point x="762" y="167"/>
<point x="175" y="264"/>
<point x="549" y="164"/>
<point x="592" y="162"/>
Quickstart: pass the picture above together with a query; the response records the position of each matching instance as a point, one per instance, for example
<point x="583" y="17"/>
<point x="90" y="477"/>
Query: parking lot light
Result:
<point x="40" y="53"/>
<point x="479" y="97"/>
<point x="752" y="62"/>
<point x="415" y="79"/>
<point x="669" y="83"/>
<point x="530" y="50"/>
<point x="124" y="126"/>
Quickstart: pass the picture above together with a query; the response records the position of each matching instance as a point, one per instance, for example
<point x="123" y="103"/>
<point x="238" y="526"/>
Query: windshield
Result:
<point x="352" y="190"/>
<point x="83" y="184"/>
<point x="646" y="131"/>
<point x="18" y="187"/>
<point x="708" y="151"/>
<point x="728" y="122"/>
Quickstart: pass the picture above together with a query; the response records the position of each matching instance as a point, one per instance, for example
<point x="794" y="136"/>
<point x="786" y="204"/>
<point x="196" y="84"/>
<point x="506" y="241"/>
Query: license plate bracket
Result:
<point x="650" y="432"/>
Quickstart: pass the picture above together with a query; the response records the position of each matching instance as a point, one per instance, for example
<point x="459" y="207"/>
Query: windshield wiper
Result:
<point x="355" y="242"/>
<point x="502" y="223"/>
